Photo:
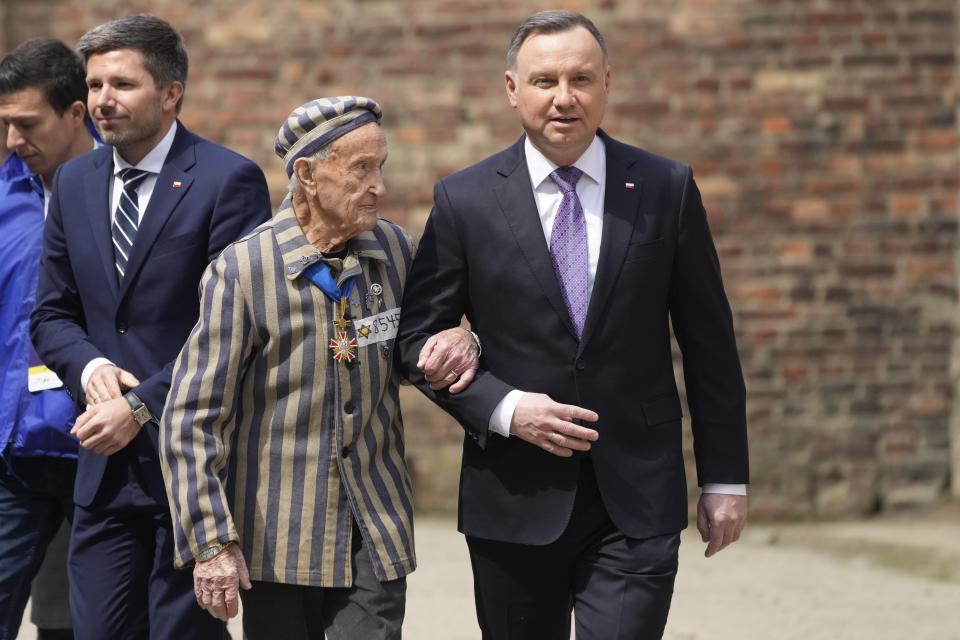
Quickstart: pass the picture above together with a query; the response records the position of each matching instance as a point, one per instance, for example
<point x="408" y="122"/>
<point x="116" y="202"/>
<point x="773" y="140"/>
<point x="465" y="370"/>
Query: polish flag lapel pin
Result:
<point x="629" y="185"/>
<point x="177" y="184"/>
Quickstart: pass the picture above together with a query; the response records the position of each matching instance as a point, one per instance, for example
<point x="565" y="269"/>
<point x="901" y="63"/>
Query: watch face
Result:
<point x="142" y="415"/>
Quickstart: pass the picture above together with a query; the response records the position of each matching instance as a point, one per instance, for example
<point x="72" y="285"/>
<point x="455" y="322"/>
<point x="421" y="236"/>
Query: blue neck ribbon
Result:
<point x="319" y="274"/>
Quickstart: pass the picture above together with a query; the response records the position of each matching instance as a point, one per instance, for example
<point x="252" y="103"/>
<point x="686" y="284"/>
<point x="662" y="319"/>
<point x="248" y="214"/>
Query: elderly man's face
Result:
<point x="350" y="181"/>
<point x="559" y="89"/>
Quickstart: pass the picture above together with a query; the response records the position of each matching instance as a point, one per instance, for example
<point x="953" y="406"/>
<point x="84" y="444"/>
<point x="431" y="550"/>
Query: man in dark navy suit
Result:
<point x="130" y="230"/>
<point x="570" y="253"/>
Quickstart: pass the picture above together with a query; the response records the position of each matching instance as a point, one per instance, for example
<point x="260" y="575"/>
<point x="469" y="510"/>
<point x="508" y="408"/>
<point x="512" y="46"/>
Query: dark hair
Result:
<point x="48" y="65"/>
<point x="164" y="54"/>
<point x="552" y="22"/>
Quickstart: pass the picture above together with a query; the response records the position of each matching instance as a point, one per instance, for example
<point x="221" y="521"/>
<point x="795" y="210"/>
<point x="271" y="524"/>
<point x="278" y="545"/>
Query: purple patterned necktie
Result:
<point x="568" y="247"/>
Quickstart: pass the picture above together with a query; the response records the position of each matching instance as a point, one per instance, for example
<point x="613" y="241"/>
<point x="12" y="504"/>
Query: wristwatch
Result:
<point x="140" y="411"/>
<point x="210" y="552"/>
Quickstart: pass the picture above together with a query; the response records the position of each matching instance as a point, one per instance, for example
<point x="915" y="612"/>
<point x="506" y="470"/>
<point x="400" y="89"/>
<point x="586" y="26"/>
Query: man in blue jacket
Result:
<point x="130" y="231"/>
<point x="42" y="107"/>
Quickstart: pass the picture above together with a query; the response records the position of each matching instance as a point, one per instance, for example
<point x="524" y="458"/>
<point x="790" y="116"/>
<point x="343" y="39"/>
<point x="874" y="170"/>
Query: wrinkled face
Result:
<point x="36" y="133"/>
<point x="131" y="113"/>
<point x="349" y="182"/>
<point x="559" y="89"/>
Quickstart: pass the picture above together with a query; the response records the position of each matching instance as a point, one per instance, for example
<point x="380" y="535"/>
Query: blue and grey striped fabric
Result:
<point x="269" y="441"/>
<point x="319" y="122"/>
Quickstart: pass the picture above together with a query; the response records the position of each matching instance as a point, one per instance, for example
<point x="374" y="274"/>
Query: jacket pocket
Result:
<point x="644" y="250"/>
<point x="176" y="244"/>
<point x="662" y="410"/>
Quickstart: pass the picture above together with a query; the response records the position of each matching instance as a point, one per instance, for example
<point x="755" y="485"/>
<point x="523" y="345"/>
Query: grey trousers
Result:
<point x="369" y="610"/>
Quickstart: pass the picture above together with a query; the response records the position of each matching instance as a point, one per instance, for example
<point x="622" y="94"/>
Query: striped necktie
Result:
<point x="568" y="247"/>
<point x="127" y="218"/>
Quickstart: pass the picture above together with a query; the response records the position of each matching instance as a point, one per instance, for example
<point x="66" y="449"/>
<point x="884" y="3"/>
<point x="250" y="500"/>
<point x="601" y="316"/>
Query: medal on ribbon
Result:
<point x="342" y="345"/>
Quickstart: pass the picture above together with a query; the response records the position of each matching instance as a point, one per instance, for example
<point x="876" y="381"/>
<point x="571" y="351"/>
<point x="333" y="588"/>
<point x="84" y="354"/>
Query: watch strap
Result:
<point x="210" y="552"/>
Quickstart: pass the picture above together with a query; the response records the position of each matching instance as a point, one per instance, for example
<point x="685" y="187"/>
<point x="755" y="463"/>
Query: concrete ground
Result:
<point x="893" y="578"/>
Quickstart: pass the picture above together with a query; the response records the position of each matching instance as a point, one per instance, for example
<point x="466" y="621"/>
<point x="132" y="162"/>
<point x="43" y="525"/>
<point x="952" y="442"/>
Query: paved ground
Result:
<point x="896" y="578"/>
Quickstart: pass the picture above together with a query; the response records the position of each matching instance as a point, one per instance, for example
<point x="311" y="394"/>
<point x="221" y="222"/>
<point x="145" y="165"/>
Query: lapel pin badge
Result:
<point x="177" y="184"/>
<point x="629" y="185"/>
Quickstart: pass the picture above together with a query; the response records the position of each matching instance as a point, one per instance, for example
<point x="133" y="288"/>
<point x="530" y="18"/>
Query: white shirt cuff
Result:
<point x="729" y="489"/>
<point x="88" y="371"/>
<point x="502" y="415"/>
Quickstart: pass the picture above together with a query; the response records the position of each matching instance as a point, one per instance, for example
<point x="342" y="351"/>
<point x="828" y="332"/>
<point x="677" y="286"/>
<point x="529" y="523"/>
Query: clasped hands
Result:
<point x="108" y="425"/>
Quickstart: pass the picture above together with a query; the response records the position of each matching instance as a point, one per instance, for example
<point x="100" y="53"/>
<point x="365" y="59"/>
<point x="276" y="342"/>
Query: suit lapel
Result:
<point x="621" y="206"/>
<point x="96" y="192"/>
<point x="172" y="184"/>
<point x="515" y="197"/>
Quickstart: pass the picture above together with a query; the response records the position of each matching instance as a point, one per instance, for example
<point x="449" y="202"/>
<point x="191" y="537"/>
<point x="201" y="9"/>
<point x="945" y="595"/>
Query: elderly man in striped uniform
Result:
<point x="282" y="441"/>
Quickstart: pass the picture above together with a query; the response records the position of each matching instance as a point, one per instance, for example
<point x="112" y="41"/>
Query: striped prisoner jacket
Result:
<point x="269" y="441"/>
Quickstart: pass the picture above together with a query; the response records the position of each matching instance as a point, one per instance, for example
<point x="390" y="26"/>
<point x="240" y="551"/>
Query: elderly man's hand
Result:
<point x="216" y="582"/>
<point x="447" y="356"/>
<point x="720" y="519"/>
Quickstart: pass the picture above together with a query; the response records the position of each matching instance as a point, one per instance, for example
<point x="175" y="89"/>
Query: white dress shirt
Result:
<point x="152" y="163"/>
<point x="590" y="190"/>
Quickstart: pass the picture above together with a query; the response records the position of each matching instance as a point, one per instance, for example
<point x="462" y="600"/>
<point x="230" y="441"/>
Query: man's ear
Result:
<point x="77" y="110"/>
<point x="303" y="169"/>
<point x="511" y="84"/>
<point x="171" y="95"/>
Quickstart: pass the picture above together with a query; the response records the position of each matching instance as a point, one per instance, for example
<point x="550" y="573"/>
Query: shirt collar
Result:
<point x="592" y="162"/>
<point x="153" y="161"/>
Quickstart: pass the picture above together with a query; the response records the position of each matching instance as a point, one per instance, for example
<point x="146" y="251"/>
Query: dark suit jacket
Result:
<point x="483" y="254"/>
<point x="205" y="197"/>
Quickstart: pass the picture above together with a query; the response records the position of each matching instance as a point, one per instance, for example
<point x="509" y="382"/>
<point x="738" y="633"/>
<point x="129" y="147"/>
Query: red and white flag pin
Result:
<point x="629" y="185"/>
<point x="177" y="184"/>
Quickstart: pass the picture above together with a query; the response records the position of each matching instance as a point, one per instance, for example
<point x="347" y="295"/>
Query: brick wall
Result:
<point x="823" y="134"/>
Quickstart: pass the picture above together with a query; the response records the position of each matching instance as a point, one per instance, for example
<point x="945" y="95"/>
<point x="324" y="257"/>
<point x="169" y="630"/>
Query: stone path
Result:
<point x="891" y="579"/>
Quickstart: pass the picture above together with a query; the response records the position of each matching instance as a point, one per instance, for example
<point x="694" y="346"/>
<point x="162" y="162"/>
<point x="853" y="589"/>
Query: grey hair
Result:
<point x="320" y="155"/>
<point x="552" y="22"/>
<point x="161" y="47"/>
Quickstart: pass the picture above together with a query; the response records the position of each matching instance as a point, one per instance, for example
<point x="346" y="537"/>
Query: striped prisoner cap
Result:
<point x="319" y="122"/>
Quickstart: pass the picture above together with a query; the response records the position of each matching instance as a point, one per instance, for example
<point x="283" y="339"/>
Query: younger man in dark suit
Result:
<point x="570" y="253"/>
<point x="130" y="231"/>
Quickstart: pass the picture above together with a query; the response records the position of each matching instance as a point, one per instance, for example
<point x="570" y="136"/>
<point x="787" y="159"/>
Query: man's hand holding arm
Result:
<point x="108" y="424"/>
<point x="450" y="357"/>
<point x="106" y="382"/>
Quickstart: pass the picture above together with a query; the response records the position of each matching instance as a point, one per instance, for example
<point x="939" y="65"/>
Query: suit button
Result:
<point x="345" y="453"/>
<point x="121" y="327"/>
<point x="581" y="365"/>
<point x="348" y="407"/>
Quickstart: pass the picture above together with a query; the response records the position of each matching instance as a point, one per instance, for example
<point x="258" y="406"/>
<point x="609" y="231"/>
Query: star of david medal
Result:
<point x="343" y="346"/>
